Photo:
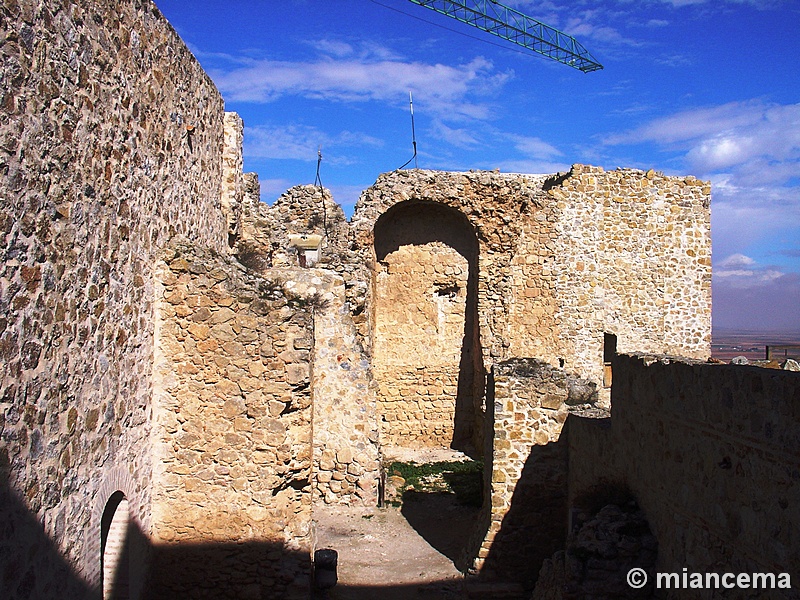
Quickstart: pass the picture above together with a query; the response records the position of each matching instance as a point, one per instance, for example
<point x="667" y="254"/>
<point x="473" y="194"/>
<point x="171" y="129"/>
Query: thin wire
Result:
<point x="413" y="135"/>
<point x="318" y="182"/>
<point x="474" y="37"/>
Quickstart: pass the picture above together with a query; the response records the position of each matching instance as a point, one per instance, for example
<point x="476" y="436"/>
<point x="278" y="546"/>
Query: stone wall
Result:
<point x="561" y="261"/>
<point x="232" y="427"/>
<point x="633" y="256"/>
<point x="524" y="509"/>
<point x="233" y="183"/>
<point x="494" y="207"/>
<point x="420" y="309"/>
<point x="110" y="145"/>
<point x="116" y="154"/>
<point x="346" y="446"/>
<point x="710" y="453"/>
<point x="346" y="461"/>
<point x="302" y="210"/>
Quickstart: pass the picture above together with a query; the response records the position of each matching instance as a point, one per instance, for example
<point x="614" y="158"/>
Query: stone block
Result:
<point x="344" y="455"/>
<point x="296" y="373"/>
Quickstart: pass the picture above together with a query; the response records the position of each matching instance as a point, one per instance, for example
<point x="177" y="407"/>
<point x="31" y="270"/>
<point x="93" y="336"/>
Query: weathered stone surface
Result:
<point x="599" y="555"/>
<point x="676" y="422"/>
<point x="135" y="361"/>
<point x="529" y="470"/>
<point x="234" y="442"/>
<point x="421" y="303"/>
<point x="560" y="264"/>
<point x="99" y="172"/>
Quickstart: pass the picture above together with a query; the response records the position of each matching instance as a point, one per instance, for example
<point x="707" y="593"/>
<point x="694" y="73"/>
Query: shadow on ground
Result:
<point x="440" y="520"/>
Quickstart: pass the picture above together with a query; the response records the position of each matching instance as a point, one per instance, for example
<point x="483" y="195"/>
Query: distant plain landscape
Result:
<point x="730" y="343"/>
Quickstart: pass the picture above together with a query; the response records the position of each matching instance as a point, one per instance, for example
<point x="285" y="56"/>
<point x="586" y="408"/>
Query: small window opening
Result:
<point x="609" y="350"/>
<point x="446" y="290"/>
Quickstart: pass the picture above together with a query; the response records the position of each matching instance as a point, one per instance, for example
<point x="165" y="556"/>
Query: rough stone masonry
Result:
<point x="225" y="366"/>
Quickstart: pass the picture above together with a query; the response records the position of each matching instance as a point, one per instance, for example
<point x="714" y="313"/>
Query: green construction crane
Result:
<point x="514" y="26"/>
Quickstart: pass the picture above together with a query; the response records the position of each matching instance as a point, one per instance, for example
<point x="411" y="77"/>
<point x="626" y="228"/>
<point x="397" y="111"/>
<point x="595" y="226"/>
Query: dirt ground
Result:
<point x="408" y="552"/>
<point x="381" y="555"/>
<point x="394" y="553"/>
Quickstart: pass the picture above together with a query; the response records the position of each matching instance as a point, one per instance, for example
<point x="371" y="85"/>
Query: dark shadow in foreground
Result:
<point x="441" y="520"/>
<point x="535" y="525"/>
<point x="31" y="566"/>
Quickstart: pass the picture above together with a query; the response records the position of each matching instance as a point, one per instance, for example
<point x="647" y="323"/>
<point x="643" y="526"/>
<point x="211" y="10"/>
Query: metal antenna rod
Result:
<point x="318" y="182"/>
<point x="413" y="132"/>
<point x="413" y="135"/>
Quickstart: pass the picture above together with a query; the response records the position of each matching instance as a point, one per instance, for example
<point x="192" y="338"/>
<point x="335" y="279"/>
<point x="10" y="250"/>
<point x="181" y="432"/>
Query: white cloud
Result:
<point x="760" y="4"/>
<point x="347" y="195"/>
<point x="726" y="135"/>
<point x="272" y="188"/>
<point x="287" y="142"/>
<point x="751" y="153"/>
<point x="745" y="278"/>
<point x="737" y="260"/>
<point x="678" y="3"/>
<point x="582" y="28"/>
<point x="534" y="147"/>
<point x="448" y="91"/>
<point x="333" y="47"/>
<point x="743" y="306"/>
<point x="463" y="137"/>
<point x="708" y="122"/>
<point x="301" y="142"/>
<point x="751" y="221"/>
<point x="740" y="271"/>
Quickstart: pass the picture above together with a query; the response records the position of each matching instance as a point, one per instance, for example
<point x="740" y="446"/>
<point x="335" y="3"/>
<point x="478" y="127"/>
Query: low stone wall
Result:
<point x="711" y="454"/>
<point x="346" y="449"/>
<point x="232" y="429"/>
<point x="528" y="488"/>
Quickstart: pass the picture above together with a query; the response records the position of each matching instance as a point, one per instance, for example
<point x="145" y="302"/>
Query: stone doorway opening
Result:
<point x="115" y="550"/>
<point x="426" y="351"/>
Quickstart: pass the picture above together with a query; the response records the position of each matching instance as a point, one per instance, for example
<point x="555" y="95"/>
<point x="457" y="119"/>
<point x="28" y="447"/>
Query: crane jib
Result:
<point x="518" y="28"/>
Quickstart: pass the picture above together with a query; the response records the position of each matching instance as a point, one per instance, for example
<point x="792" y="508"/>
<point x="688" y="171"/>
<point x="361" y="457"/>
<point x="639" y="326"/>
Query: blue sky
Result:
<point x="710" y="89"/>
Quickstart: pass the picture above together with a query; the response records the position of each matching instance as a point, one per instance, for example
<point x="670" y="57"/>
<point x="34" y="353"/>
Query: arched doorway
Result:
<point x="115" y="549"/>
<point x="426" y="353"/>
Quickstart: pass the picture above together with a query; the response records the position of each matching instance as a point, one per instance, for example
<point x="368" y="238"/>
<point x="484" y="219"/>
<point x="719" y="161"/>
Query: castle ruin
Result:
<point x="188" y="373"/>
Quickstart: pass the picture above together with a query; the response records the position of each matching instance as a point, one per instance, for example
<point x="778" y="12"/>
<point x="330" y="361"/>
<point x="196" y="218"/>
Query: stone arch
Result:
<point x="118" y="485"/>
<point x="426" y="346"/>
<point x="114" y="548"/>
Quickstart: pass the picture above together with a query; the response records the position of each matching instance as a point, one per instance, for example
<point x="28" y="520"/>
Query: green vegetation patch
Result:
<point x="462" y="478"/>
